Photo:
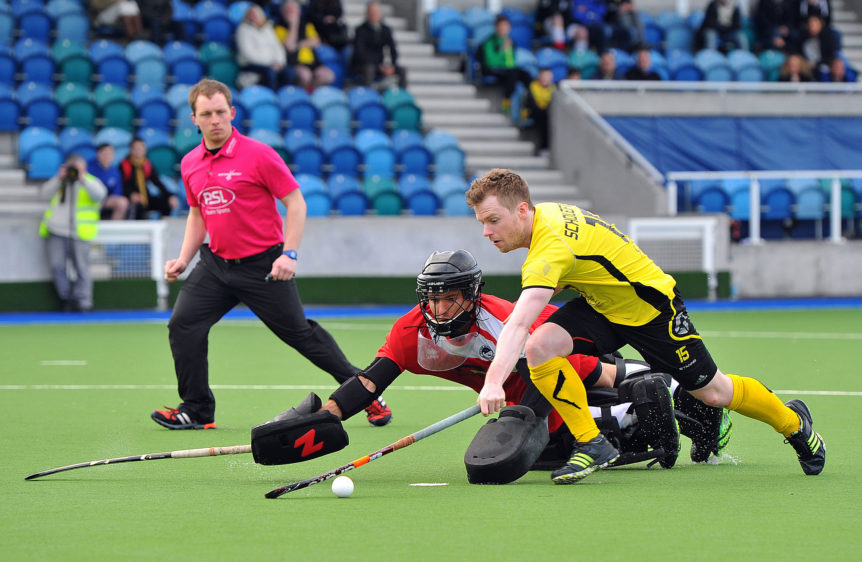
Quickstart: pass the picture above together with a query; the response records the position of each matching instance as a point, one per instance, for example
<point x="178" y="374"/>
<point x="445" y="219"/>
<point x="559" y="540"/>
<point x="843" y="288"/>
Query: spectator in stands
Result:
<point x="370" y="41"/>
<point x="157" y="17"/>
<point x="642" y="70"/>
<point x="795" y="69"/>
<point x="822" y="8"/>
<point x="818" y="44"/>
<point x="627" y="29"/>
<point x="116" y="204"/>
<point x="722" y="27"/>
<point x="497" y="57"/>
<point x="581" y="41"/>
<point x="260" y="54"/>
<point x="607" y="67"/>
<point x="537" y="104"/>
<point x="138" y="173"/>
<point x="327" y="16"/>
<point x="554" y="21"/>
<point x="591" y="14"/>
<point x="838" y="72"/>
<point x="113" y="13"/>
<point x="775" y="22"/>
<point x="70" y="223"/>
<point x="574" y="73"/>
<point x="299" y="38"/>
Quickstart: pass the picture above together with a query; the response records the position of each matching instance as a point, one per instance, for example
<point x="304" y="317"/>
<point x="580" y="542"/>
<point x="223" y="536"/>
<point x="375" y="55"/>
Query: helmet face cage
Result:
<point x="469" y="284"/>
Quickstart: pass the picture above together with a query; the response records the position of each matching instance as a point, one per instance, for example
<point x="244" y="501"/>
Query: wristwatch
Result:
<point x="290" y="253"/>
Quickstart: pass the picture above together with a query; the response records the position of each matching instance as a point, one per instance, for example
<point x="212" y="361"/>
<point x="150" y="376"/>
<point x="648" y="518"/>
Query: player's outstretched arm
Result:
<point x="510" y="345"/>
<point x="357" y="392"/>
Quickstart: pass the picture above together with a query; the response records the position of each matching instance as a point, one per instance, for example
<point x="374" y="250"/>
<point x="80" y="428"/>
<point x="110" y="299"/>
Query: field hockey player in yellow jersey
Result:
<point x="625" y="298"/>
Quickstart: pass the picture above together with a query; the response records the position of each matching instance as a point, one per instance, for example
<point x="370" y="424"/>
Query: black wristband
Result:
<point x="352" y="397"/>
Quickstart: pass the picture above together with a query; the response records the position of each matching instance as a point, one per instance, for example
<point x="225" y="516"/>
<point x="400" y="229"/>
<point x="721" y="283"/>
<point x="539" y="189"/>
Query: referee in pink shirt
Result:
<point x="231" y="184"/>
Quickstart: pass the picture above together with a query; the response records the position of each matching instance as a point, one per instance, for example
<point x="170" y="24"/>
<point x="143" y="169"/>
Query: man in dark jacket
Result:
<point x="369" y="41"/>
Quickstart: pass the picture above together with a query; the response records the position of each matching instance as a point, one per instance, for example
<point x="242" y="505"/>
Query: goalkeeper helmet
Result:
<point x="445" y="272"/>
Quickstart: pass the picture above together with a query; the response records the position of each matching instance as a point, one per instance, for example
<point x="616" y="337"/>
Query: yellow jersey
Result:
<point x="575" y="249"/>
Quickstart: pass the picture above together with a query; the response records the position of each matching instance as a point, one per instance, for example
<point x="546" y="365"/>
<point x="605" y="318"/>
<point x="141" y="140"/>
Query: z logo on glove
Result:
<point x="309" y="447"/>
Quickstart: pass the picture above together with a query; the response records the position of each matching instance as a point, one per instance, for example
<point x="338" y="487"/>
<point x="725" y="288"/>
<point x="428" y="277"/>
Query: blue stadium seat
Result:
<point x="438" y="139"/>
<point x="301" y="115"/>
<point x="272" y="139"/>
<point x="406" y="116"/>
<point x="20" y="7"/>
<point x="140" y="49"/>
<point x="324" y="96"/>
<point x="7" y="65"/>
<point x="414" y="160"/>
<point x="10" y="112"/>
<point x="771" y="62"/>
<point x="517" y="16"/>
<point x="113" y="69"/>
<point x="34" y="60"/>
<point x="746" y="66"/>
<point x="57" y="8"/>
<point x="810" y="211"/>
<point x="7" y="26"/>
<point x="31" y="138"/>
<point x="711" y="200"/>
<point x="441" y="15"/>
<point x="678" y="37"/>
<point x="76" y="68"/>
<point x="289" y="95"/>
<point x="185" y="140"/>
<point x="455" y="205"/>
<point x="153" y="137"/>
<point x="295" y="139"/>
<point x="739" y="207"/>
<point x="178" y="96"/>
<point x="186" y="71"/>
<point x="447" y="184"/>
<point x="183" y="18"/>
<point x="351" y="203"/>
<point x="423" y="203"/>
<point x="43" y="162"/>
<point x="151" y="70"/>
<point x="142" y="93"/>
<point x="379" y="161"/>
<point x="339" y="184"/>
<point x="73" y="139"/>
<point x="682" y="67"/>
<point x="330" y="57"/>
<point x="370" y="115"/>
<point x="452" y="38"/>
<point x="27" y="92"/>
<point x="367" y="139"/>
<point x="374" y="185"/>
<point x="41" y="112"/>
<point x="264" y="115"/>
<point x="73" y="26"/>
<point x="404" y="139"/>
<point x="216" y="28"/>
<point x="253" y="95"/>
<point x="155" y="113"/>
<point x="165" y="160"/>
<point x="174" y="51"/>
<point x="477" y="15"/>
<point x="344" y="160"/>
<point x="449" y="160"/>
<point x="522" y="35"/>
<point x="307" y="159"/>
<point x="409" y="184"/>
<point x="112" y="135"/>
<point x="526" y="60"/>
<point x="35" y="24"/>
<point x="310" y="183"/>
<point x="104" y="48"/>
<point x="331" y="139"/>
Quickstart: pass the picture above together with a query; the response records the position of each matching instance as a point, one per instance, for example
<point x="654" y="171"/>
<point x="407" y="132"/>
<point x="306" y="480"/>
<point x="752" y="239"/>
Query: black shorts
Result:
<point x="669" y="343"/>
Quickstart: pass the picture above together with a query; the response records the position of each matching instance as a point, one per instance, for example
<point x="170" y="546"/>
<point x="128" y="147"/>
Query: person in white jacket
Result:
<point x="260" y="54"/>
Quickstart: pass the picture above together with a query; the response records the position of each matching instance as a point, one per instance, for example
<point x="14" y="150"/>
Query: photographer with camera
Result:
<point x="69" y="224"/>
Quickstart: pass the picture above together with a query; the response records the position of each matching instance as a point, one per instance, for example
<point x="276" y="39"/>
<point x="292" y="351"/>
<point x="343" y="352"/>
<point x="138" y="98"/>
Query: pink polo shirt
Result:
<point x="236" y="191"/>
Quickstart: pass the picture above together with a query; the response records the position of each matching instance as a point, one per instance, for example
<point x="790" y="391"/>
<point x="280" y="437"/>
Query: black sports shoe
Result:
<point x="810" y="447"/>
<point x="378" y="413"/>
<point x="586" y="458"/>
<point x="173" y="418"/>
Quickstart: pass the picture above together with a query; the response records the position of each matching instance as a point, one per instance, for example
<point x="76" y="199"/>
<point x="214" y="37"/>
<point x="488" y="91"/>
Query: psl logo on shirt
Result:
<point x="217" y="197"/>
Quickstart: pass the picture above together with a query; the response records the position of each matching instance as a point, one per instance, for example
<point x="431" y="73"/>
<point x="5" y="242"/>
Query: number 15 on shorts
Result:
<point x="682" y="353"/>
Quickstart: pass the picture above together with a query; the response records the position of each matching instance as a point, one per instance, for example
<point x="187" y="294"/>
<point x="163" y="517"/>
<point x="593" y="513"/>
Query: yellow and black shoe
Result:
<point x="809" y="446"/>
<point x="595" y="454"/>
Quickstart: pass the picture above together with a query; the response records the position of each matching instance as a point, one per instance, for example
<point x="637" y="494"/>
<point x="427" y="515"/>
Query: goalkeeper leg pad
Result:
<point x="505" y="448"/>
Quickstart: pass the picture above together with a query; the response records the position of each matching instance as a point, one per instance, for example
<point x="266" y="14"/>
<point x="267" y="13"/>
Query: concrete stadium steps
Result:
<point x="500" y="148"/>
<point x="517" y="163"/>
<point x="449" y="119"/>
<point x="466" y="134"/>
<point x="460" y="105"/>
<point x="422" y="76"/>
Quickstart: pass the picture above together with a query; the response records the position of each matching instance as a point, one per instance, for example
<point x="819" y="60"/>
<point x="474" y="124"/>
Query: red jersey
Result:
<point x="403" y="341"/>
<point x="236" y="190"/>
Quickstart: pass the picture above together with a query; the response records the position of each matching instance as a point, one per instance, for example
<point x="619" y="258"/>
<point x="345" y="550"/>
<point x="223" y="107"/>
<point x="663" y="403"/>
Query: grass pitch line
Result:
<point x="63" y="363"/>
<point x="771" y="335"/>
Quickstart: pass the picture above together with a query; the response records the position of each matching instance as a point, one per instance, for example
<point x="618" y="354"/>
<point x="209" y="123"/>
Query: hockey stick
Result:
<point x="185" y="454"/>
<point x="400" y="444"/>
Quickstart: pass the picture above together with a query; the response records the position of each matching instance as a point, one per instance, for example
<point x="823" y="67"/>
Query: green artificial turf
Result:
<point x="72" y="393"/>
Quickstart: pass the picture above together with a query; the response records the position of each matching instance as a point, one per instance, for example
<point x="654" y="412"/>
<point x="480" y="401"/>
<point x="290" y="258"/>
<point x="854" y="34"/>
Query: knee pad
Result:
<point x="505" y="448"/>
